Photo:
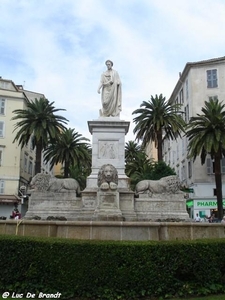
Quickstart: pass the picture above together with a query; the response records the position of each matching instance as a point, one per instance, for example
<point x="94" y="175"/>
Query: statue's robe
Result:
<point x="111" y="94"/>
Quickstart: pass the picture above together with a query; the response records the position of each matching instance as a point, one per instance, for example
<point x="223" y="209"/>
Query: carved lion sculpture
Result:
<point x="108" y="177"/>
<point x="46" y="182"/>
<point x="166" y="185"/>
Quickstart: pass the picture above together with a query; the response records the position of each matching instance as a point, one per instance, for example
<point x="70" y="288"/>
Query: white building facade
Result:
<point x="198" y="82"/>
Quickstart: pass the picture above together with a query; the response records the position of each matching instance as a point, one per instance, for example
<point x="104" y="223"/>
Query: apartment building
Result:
<point x="16" y="164"/>
<point x="198" y="82"/>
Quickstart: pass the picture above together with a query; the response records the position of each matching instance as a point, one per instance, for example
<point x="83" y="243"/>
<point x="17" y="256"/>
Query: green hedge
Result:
<point x="111" y="270"/>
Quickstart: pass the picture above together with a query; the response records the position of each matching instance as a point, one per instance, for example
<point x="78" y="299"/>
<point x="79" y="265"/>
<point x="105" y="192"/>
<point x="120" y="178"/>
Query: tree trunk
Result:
<point x="159" y="145"/>
<point x="66" y="170"/>
<point x="38" y="158"/>
<point x="218" y="180"/>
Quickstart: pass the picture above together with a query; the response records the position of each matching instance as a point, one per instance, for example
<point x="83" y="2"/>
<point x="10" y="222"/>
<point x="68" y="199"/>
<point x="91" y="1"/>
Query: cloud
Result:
<point x="59" y="48"/>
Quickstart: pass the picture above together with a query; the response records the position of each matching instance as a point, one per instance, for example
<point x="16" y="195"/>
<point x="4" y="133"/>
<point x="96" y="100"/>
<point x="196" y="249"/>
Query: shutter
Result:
<point x="223" y="165"/>
<point x="1" y="129"/>
<point x="209" y="166"/>
<point x="2" y="183"/>
<point x="2" y="106"/>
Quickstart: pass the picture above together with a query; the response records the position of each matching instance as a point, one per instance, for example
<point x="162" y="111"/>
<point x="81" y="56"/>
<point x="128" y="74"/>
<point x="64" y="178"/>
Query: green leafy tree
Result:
<point x="161" y="169"/>
<point x="206" y="136"/>
<point x="80" y="173"/>
<point x="39" y="121"/>
<point x="138" y="167"/>
<point x="135" y="158"/>
<point x="70" y="149"/>
<point x="132" y="149"/>
<point x="158" y="117"/>
<point x="137" y="164"/>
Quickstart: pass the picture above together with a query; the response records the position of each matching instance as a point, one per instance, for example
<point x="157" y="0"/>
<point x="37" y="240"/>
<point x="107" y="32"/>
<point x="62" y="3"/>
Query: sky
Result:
<point x="59" y="48"/>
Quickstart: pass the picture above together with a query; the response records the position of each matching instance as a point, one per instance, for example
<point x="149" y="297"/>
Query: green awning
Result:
<point x="190" y="203"/>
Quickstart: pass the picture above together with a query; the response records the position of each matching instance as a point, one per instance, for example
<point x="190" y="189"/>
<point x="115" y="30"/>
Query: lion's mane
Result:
<point x="40" y="182"/>
<point x="101" y="175"/>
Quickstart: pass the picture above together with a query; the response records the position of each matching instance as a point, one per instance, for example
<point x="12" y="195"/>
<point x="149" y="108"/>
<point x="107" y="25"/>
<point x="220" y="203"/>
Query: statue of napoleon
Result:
<point x="111" y="92"/>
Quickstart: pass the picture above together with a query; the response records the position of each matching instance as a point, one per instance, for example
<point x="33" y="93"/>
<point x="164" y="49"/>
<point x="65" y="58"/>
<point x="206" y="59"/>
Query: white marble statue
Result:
<point x="46" y="182"/>
<point x="166" y="185"/>
<point x="111" y="92"/>
<point x="107" y="178"/>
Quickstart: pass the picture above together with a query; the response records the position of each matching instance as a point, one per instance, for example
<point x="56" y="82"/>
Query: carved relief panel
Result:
<point x="108" y="150"/>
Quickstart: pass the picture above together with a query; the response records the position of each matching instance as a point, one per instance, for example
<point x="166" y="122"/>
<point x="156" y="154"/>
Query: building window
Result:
<point x="214" y="192"/>
<point x="25" y="163"/>
<point x="4" y="85"/>
<point x="183" y="174"/>
<point x="1" y="129"/>
<point x="189" y="169"/>
<point x="32" y="139"/>
<point x="181" y="96"/>
<point x="211" y="166"/>
<point x="2" y="186"/>
<point x="183" y="145"/>
<point x="212" y="78"/>
<point x="186" y="111"/>
<point x="223" y="165"/>
<point x="1" y="157"/>
<point x="214" y="98"/>
<point x="187" y="92"/>
<point x="176" y="102"/>
<point x="2" y="106"/>
<point x="30" y="168"/>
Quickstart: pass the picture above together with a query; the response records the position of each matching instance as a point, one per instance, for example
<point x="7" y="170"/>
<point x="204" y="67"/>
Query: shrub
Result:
<point x="111" y="270"/>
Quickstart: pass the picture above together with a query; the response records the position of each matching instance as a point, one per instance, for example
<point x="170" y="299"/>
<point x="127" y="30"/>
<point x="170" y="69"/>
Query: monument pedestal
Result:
<point x="108" y="207"/>
<point x="57" y="204"/>
<point x="108" y="147"/>
<point x="161" y="207"/>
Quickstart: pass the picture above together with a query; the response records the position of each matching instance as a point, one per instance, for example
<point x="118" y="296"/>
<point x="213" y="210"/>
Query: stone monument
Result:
<point x="107" y="195"/>
<point x="108" y="145"/>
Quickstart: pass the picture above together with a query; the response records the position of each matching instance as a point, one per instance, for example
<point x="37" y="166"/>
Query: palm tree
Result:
<point x="40" y="122"/>
<point x="206" y="136"/>
<point x="132" y="149"/>
<point x="70" y="150"/>
<point x="80" y="173"/>
<point x="137" y="165"/>
<point x="158" y="117"/>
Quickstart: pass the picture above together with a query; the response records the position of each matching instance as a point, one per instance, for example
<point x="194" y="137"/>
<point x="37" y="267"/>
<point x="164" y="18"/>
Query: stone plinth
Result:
<point x="57" y="204"/>
<point x="108" y="147"/>
<point x="162" y="206"/>
<point x="108" y="206"/>
<point x="127" y="205"/>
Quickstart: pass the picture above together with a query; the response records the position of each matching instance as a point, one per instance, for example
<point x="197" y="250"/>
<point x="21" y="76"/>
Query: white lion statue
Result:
<point x="108" y="177"/>
<point x="46" y="182"/>
<point x="166" y="185"/>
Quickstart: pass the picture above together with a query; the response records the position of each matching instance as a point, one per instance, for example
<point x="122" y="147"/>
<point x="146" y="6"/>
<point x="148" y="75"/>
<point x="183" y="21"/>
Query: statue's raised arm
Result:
<point x="110" y="85"/>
